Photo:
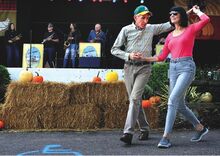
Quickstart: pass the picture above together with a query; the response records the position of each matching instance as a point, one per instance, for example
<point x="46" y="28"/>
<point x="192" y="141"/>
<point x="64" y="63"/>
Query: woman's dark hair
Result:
<point x="183" y="16"/>
<point x="74" y="25"/>
<point x="9" y="26"/>
<point x="50" y="24"/>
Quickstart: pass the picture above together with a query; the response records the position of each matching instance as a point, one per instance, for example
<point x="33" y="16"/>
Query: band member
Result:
<point x="98" y="36"/>
<point x="50" y="40"/>
<point x="71" y="45"/>
<point x="12" y="40"/>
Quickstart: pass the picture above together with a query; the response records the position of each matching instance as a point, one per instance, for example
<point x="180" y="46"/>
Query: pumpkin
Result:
<point x="146" y="103"/>
<point x="38" y="79"/>
<point x="97" y="79"/>
<point x="25" y="76"/>
<point x="206" y="97"/>
<point x="2" y="125"/>
<point x="111" y="76"/>
<point x="153" y="100"/>
<point x="157" y="98"/>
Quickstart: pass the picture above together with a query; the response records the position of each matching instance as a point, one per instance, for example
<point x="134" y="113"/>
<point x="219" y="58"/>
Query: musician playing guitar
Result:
<point x="50" y="40"/>
<point x="12" y="39"/>
<point x="98" y="36"/>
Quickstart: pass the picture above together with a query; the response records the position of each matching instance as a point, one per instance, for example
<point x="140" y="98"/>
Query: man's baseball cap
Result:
<point x="142" y="10"/>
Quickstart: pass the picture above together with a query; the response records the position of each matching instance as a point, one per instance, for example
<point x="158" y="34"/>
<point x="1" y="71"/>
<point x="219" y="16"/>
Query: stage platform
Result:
<point x="66" y="74"/>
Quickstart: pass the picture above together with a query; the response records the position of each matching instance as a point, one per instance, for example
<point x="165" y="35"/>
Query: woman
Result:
<point x="12" y="37"/>
<point x="179" y="43"/>
<point x="71" y="45"/>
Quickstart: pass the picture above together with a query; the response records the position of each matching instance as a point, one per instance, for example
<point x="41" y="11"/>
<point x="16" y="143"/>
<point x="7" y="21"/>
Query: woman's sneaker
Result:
<point x="164" y="143"/>
<point x="198" y="136"/>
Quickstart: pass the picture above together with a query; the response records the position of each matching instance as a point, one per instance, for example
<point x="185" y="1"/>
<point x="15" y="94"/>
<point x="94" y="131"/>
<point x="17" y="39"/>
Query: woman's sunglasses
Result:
<point x="173" y="13"/>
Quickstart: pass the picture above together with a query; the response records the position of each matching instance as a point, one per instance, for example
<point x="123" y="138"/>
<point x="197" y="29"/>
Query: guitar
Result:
<point x="48" y="38"/>
<point x="17" y="37"/>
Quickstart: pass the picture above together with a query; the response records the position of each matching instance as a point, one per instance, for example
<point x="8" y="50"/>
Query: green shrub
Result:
<point x="4" y="81"/>
<point x="158" y="76"/>
<point x="157" y="79"/>
<point x="148" y="92"/>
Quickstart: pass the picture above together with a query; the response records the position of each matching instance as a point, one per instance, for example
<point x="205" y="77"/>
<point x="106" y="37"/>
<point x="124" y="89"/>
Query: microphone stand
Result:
<point x="30" y="48"/>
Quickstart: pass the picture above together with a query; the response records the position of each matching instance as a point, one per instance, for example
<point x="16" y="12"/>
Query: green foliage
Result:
<point x="192" y="96"/>
<point x="158" y="76"/>
<point x="4" y="81"/>
<point x="148" y="92"/>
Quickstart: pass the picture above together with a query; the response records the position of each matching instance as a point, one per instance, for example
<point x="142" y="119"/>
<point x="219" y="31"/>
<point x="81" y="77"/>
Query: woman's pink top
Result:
<point x="182" y="45"/>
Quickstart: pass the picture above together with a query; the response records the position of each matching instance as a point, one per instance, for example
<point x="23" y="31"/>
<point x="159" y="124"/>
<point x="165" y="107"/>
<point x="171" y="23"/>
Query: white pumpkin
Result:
<point x="206" y="97"/>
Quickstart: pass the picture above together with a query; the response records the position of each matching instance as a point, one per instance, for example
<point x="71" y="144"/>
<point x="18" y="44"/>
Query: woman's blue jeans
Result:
<point x="12" y="55"/>
<point x="70" y="52"/>
<point x="181" y="74"/>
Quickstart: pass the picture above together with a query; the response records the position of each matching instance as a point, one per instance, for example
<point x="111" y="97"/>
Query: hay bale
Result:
<point x="37" y="95"/>
<point x="110" y="98"/>
<point x="19" y="118"/>
<point x="115" y="115"/>
<point x="153" y="114"/>
<point x="98" y="93"/>
<point x="80" y="106"/>
<point x="113" y="93"/>
<point x="83" y="117"/>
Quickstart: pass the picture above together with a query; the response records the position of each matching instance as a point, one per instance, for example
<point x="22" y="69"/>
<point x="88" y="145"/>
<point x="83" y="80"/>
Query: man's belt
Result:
<point x="137" y="63"/>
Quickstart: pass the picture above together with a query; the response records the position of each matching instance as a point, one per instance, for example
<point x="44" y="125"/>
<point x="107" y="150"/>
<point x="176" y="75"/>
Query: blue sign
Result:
<point x="53" y="149"/>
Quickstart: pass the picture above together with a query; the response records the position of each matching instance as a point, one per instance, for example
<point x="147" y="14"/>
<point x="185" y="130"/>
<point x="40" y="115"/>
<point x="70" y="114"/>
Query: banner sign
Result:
<point x="33" y="55"/>
<point x="89" y="49"/>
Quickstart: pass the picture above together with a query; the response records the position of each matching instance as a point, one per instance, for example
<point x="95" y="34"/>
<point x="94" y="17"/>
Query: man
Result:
<point x="137" y="41"/>
<point x="50" y="40"/>
<point x="98" y="36"/>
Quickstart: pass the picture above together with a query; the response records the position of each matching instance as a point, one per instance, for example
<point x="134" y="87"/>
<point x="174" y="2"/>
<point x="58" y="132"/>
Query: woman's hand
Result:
<point x="195" y="9"/>
<point x="135" y="56"/>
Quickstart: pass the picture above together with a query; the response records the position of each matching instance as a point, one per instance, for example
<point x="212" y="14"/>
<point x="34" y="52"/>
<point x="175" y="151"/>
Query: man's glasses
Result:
<point x="173" y="13"/>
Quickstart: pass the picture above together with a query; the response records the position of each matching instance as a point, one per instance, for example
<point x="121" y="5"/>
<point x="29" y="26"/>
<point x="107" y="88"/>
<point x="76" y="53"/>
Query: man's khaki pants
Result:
<point x="136" y="77"/>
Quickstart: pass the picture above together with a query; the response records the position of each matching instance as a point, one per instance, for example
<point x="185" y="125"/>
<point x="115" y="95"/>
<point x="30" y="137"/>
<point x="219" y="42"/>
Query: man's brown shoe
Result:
<point x="144" y="135"/>
<point x="126" y="138"/>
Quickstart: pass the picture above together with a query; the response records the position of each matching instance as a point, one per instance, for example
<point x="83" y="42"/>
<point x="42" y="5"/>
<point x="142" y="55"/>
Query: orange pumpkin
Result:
<point x="38" y="79"/>
<point x="152" y="100"/>
<point x="157" y="98"/>
<point x="2" y="125"/>
<point x="97" y="79"/>
<point x="146" y="103"/>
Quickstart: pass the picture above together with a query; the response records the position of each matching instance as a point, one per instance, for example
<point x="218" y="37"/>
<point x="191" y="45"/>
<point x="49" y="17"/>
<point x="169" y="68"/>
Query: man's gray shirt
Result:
<point x="136" y="40"/>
